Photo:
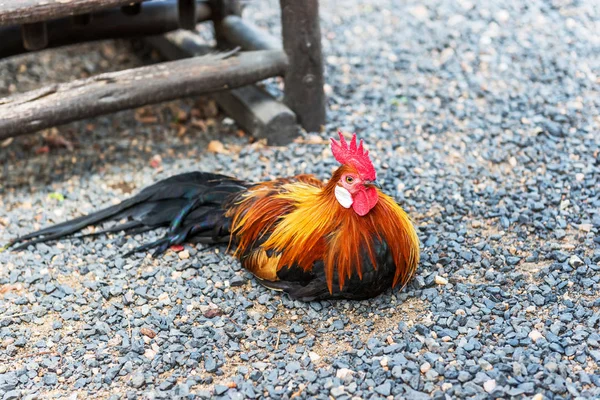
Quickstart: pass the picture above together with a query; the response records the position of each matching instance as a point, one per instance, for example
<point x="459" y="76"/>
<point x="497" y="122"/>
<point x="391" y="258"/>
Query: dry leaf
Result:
<point x="108" y="50"/>
<point x="56" y="140"/>
<point x="182" y="116"/>
<point x="216" y="147"/>
<point x="123" y="187"/>
<point x="311" y="139"/>
<point x="148" y="119"/>
<point x="259" y="144"/>
<point x="181" y="131"/>
<point x="10" y="288"/>
<point x="148" y="332"/>
<point x="205" y="109"/>
<point x="145" y="116"/>
<point x="200" y="124"/>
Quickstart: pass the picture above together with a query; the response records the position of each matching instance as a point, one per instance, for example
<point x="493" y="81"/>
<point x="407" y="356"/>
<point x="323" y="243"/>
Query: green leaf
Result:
<point x="399" y="100"/>
<point x="56" y="196"/>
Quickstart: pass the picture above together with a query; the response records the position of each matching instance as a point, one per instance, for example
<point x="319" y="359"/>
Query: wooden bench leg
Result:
<point x="187" y="14"/>
<point x="303" y="91"/>
<point x="220" y="10"/>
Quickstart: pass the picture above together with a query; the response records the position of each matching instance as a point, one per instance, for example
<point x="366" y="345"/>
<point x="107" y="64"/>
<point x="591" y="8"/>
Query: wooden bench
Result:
<point x="29" y="25"/>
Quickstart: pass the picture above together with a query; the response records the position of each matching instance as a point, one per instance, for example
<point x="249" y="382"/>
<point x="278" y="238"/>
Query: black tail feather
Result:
<point x="189" y="204"/>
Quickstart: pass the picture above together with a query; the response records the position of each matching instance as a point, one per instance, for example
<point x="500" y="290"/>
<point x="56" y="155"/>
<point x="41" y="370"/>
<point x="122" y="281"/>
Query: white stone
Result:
<point x="164" y="298"/>
<point x="344" y="373"/>
<point x="535" y="335"/>
<point x="489" y="385"/>
<point x="184" y="255"/>
<point x="575" y="261"/>
<point x="149" y="354"/>
<point x="314" y="357"/>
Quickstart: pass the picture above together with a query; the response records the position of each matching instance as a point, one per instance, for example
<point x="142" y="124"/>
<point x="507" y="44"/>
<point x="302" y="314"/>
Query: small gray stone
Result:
<point x="50" y="379"/>
<point x="138" y="380"/>
<point x="210" y="364"/>
<point x="384" y="389"/>
<point x="220" y="389"/>
<point x="12" y="395"/>
<point x="464" y="376"/>
<point x="337" y="391"/>
<point x="237" y="281"/>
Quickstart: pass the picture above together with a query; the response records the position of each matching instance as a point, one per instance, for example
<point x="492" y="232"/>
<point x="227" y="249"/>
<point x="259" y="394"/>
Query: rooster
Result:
<point x="312" y="240"/>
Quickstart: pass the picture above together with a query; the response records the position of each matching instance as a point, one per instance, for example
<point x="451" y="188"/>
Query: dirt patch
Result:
<point x="123" y="187"/>
<point x="328" y="345"/>
<point x="42" y="331"/>
<point x="73" y="280"/>
<point x="531" y="269"/>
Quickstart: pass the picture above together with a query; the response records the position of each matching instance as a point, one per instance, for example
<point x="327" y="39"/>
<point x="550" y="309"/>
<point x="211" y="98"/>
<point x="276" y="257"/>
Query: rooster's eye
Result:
<point x="349" y="179"/>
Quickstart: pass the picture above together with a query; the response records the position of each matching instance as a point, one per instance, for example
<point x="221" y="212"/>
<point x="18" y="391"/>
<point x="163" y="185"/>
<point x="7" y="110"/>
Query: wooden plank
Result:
<point x="247" y="35"/>
<point x="19" y="12"/>
<point x="304" y="92"/>
<point x="61" y="103"/>
<point x="154" y="18"/>
<point x="256" y="111"/>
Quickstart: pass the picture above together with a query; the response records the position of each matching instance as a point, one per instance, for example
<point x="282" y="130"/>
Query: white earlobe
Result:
<point x="343" y="196"/>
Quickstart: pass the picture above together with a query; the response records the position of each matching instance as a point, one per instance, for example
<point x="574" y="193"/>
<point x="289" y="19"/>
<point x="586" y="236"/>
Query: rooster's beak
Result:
<point x="372" y="183"/>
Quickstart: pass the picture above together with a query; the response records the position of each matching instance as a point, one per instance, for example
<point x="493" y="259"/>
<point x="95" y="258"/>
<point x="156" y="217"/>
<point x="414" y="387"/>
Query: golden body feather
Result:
<point x="298" y="222"/>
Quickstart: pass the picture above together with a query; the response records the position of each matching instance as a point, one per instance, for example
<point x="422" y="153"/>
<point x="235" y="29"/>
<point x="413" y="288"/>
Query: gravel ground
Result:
<point x="483" y="120"/>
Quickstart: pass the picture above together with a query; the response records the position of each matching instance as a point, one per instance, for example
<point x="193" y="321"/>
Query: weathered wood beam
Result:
<point x="247" y="35"/>
<point x="253" y="109"/>
<point x="303" y="92"/>
<point x="18" y="12"/>
<point x="61" y="103"/>
<point x="153" y="18"/>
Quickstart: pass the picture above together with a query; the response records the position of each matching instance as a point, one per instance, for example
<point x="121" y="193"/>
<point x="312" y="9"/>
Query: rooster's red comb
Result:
<point x="354" y="155"/>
